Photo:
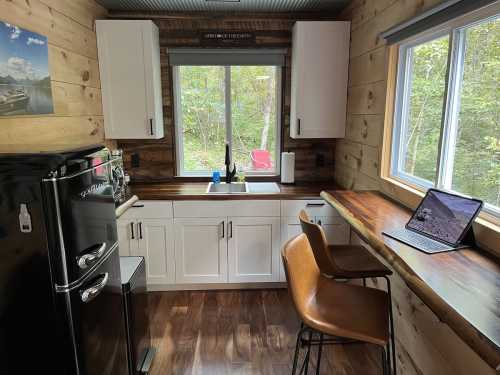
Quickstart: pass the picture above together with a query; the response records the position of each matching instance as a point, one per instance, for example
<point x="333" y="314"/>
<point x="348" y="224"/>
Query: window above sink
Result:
<point x="227" y="101"/>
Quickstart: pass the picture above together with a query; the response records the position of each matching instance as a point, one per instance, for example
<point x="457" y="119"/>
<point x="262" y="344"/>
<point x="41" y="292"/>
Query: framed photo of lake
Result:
<point x="25" y="87"/>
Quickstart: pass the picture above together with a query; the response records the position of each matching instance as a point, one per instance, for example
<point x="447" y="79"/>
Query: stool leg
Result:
<point x="297" y="346"/>
<point x="384" y="361"/>
<point x="308" y="352"/>
<point x="320" y="349"/>
<point x="391" y="320"/>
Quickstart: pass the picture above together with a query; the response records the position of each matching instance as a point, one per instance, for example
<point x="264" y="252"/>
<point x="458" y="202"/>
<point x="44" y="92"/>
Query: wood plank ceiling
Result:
<point x="225" y="5"/>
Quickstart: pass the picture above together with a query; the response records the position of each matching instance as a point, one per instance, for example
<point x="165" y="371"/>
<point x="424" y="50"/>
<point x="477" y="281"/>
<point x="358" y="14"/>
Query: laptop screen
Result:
<point x="444" y="216"/>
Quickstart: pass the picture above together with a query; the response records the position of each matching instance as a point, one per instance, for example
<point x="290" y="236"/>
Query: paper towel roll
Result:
<point x="287" y="167"/>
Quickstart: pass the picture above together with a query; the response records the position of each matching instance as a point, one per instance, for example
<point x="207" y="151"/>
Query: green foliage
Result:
<point x="428" y="77"/>
<point x="476" y="167"/>
<point x="477" y="156"/>
<point x="253" y="107"/>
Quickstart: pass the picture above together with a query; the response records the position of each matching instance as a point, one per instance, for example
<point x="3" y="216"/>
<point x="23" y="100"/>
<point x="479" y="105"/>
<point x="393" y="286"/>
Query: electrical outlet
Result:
<point x="135" y="160"/>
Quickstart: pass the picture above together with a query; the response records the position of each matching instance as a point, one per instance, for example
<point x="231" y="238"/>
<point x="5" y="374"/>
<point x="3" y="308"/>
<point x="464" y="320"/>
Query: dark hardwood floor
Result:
<point x="240" y="332"/>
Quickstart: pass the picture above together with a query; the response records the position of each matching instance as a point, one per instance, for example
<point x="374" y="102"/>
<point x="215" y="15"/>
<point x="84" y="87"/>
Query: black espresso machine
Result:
<point x="61" y="305"/>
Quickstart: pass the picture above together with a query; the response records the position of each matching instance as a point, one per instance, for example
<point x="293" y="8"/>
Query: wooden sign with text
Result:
<point x="227" y="38"/>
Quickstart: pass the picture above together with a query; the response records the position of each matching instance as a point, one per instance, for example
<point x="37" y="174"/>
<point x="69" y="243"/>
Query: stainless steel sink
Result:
<point x="243" y="188"/>
<point x="224" y="188"/>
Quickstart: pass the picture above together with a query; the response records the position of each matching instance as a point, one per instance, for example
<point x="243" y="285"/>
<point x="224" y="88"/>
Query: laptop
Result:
<point x="440" y="223"/>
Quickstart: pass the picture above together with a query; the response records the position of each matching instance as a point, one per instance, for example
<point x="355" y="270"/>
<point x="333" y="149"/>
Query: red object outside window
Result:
<point x="261" y="159"/>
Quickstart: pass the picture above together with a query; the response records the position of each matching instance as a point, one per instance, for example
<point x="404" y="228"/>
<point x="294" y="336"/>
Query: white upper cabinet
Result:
<point x="129" y="63"/>
<point x="320" y="67"/>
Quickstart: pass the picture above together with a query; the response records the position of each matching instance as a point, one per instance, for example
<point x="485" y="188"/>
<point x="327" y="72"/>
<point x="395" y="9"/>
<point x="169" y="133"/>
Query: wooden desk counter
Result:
<point x="462" y="287"/>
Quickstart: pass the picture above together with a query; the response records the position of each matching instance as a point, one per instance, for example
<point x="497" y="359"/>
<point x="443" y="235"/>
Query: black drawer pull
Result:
<point x="315" y="205"/>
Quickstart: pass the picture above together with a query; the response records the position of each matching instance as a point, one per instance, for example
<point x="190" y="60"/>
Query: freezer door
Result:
<point x="81" y="222"/>
<point x="96" y="324"/>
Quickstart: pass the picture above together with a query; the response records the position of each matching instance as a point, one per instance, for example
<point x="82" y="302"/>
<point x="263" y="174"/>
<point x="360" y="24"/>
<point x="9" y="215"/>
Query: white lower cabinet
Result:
<point x="335" y="227"/>
<point x="147" y="230"/>
<point x="253" y="249"/>
<point x="200" y="250"/>
<point x="290" y="227"/>
<point x="217" y="242"/>
<point x="156" y="246"/>
<point x="127" y="242"/>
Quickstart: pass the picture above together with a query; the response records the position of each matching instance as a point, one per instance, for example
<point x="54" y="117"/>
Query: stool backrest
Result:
<point x="319" y="246"/>
<point x="302" y="273"/>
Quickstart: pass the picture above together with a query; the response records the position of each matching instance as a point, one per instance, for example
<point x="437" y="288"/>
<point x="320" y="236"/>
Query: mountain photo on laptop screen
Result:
<point x="444" y="216"/>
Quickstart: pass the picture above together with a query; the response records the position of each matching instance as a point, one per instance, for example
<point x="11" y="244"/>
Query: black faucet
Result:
<point x="229" y="174"/>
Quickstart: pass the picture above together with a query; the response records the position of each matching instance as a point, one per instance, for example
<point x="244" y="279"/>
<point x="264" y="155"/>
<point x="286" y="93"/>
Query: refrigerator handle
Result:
<point x="93" y="291"/>
<point x="90" y="258"/>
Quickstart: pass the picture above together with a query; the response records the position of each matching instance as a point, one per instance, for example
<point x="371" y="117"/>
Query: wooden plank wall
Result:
<point x="78" y="118"/>
<point x="357" y="157"/>
<point x="157" y="158"/>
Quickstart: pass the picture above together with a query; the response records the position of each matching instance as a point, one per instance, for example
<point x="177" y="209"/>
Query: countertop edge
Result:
<point x="121" y="209"/>
<point x="197" y="191"/>
<point x="480" y="343"/>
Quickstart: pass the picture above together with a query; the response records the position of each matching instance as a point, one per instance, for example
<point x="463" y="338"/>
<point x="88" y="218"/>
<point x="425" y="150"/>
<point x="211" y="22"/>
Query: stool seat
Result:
<point x="328" y="306"/>
<point x="348" y="311"/>
<point x="354" y="261"/>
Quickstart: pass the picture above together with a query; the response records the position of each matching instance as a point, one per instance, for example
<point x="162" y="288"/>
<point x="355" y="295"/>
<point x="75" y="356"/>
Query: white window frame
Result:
<point x="455" y="29"/>
<point x="179" y="147"/>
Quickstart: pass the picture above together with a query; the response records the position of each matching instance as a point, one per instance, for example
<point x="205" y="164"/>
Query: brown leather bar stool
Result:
<point x="328" y="307"/>
<point x="347" y="262"/>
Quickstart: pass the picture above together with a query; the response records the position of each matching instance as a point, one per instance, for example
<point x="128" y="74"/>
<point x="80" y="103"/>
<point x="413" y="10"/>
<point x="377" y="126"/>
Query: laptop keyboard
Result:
<point x="418" y="241"/>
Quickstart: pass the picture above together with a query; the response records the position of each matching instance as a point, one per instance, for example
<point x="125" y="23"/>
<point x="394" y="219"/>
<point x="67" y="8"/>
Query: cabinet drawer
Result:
<point x="236" y="208"/>
<point x="149" y="210"/>
<point x="316" y="207"/>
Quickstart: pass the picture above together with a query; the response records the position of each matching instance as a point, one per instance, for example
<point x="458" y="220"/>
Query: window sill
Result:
<point x="486" y="226"/>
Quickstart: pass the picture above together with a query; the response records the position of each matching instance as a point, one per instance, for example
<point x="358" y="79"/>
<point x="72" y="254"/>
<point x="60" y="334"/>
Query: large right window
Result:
<point x="447" y="116"/>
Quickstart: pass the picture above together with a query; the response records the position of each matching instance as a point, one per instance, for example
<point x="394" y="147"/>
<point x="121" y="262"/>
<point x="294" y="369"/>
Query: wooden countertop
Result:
<point x="461" y="287"/>
<point x="197" y="191"/>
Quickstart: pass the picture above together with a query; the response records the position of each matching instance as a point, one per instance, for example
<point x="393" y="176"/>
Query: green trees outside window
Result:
<point x="447" y="120"/>
<point x="237" y="105"/>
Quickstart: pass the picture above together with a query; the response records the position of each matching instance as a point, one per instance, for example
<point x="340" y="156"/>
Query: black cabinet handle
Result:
<point x="319" y="222"/>
<point x="230" y="229"/>
<point x="137" y="206"/>
<point x="132" y="231"/>
<point x="223" y="229"/>
<point x="151" y="126"/>
<point x="298" y="126"/>
<point x="140" y="230"/>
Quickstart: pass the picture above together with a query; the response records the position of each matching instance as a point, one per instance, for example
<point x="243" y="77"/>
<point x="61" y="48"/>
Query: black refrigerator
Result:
<point x="61" y="308"/>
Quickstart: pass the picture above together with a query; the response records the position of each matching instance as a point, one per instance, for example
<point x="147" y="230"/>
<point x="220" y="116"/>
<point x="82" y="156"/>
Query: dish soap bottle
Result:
<point x="241" y="175"/>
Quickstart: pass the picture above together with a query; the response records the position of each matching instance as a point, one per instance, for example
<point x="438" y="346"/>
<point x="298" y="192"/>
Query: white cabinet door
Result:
<point x="200" y="250"/>
<point x="129" y="64"/>
<point x="290" y="227"/>
<point x="336" y="230"/>
<point x="127" y="237"/>
<point x="320" y="61"/>
<point x="156" y="246"/>
<point x="253" y="249"/>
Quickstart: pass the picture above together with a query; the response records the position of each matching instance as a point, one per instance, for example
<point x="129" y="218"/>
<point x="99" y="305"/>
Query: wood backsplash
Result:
<point x="157" y="157"/>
